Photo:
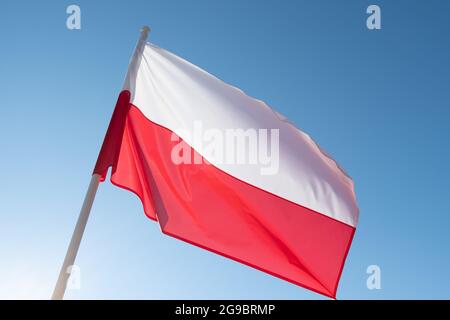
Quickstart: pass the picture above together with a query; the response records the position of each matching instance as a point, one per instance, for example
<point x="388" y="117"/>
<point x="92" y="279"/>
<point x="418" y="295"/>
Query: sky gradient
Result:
<point x="377" y="101"/>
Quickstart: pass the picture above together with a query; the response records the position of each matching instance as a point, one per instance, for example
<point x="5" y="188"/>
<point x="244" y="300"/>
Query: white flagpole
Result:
<point x="72" y="251"/>
<point x="71" y="254"/>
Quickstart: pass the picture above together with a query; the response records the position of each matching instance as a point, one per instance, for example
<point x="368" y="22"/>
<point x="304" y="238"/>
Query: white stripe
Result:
<point x="175" y="94"/>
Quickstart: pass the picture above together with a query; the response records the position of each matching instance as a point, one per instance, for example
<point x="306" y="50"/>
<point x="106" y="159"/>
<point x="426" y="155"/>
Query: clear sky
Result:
<point x="377" y="101"/>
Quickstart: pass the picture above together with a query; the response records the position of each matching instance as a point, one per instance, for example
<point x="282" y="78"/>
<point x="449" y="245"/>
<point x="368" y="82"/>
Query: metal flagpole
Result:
<point x="71" y="254"/>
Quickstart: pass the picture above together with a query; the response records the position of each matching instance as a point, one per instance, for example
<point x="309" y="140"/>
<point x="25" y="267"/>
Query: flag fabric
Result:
<point x="294" y="219"/>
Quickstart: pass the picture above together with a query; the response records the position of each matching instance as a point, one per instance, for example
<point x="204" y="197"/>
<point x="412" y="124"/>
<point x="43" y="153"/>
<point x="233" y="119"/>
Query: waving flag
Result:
<point x="292" y="216"/>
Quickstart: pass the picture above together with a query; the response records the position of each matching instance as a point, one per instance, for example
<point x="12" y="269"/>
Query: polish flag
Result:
<point x="285" y="207"/>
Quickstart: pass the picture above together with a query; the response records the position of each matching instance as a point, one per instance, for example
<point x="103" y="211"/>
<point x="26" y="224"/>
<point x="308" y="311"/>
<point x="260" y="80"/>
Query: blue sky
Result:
<point x="377" y="101"/>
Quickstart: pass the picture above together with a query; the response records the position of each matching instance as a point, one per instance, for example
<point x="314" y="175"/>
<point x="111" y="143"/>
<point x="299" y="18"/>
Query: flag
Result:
<point x="223" y="171"/>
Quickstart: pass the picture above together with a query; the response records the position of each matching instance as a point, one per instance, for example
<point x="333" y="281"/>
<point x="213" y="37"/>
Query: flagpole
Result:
<point x="77" y="235"/>
<point x="71" y="254"/>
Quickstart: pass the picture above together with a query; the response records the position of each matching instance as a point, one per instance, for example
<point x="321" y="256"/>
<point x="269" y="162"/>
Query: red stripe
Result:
<point x="202" y="205"/>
